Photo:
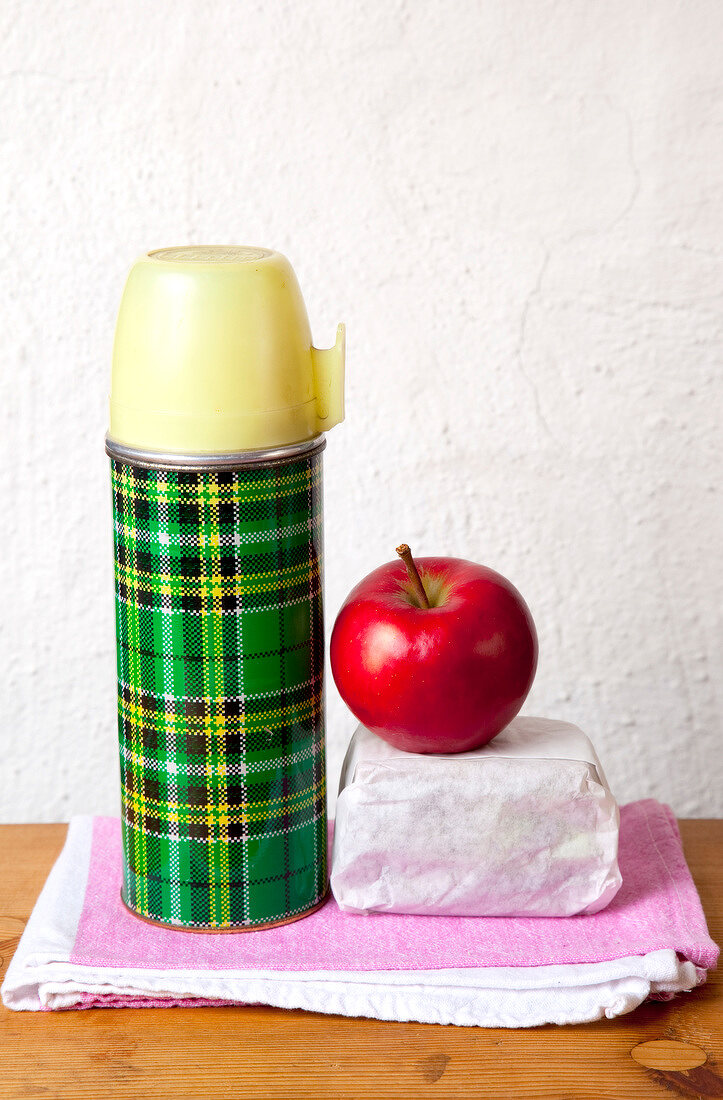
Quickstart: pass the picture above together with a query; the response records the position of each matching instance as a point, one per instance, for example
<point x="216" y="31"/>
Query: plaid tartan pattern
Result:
<point x="220" y="655"/>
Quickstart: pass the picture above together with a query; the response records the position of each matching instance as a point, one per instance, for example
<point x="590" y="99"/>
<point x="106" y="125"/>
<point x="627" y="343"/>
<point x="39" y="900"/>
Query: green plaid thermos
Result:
<point x="218" y="407"/>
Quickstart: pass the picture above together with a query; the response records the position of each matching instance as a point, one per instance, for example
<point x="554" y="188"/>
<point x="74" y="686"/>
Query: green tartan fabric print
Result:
<point x="220" y="653"/>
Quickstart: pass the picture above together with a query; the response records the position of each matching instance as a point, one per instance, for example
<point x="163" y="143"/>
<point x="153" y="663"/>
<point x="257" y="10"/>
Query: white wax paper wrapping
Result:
<point x="524" y="826"/>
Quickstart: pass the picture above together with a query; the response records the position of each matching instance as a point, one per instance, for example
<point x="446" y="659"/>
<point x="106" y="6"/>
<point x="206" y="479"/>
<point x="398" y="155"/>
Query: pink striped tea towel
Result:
<point x="82" y="949"/>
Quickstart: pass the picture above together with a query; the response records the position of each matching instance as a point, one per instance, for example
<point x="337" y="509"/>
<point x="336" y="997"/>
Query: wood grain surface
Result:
<point x="660" y="1050"/>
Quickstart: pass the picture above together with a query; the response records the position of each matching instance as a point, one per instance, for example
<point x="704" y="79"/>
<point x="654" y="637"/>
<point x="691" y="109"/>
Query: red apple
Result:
<point x="445" y="677"/>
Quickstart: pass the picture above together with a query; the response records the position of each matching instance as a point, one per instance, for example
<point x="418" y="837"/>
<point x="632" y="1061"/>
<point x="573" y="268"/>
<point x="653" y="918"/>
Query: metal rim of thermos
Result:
<point x="158" y="460"/>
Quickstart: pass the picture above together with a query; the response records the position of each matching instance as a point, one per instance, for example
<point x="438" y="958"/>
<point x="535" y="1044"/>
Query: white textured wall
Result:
<point x="516" y="208"/>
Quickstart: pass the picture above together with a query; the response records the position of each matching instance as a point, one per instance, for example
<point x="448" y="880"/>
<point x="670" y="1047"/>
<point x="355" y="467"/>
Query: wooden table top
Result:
<point x="247" y="1052"/>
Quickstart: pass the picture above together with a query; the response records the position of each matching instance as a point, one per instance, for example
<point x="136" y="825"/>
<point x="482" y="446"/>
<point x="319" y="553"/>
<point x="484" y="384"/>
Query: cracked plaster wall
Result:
<point x="516" y="208"/>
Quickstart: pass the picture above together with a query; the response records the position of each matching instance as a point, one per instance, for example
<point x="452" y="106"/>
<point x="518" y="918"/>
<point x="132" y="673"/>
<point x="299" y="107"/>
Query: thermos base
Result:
<point x="206" y="929"/>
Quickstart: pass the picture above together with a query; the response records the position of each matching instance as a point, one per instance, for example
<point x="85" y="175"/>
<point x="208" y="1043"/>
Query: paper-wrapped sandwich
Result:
<point x="524" y="826"/>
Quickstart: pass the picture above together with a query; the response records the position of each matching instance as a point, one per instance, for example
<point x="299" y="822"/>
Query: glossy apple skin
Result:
<point x="443" y="679"/>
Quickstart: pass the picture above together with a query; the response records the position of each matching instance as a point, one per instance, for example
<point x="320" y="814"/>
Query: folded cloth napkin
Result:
<point x="83" y="949"/>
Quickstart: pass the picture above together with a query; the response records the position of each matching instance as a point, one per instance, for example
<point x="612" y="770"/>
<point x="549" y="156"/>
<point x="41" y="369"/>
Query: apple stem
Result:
<point x="406" y="555"/>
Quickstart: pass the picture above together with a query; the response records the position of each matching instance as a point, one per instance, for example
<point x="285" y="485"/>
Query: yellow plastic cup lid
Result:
<point x="213" y="355"/>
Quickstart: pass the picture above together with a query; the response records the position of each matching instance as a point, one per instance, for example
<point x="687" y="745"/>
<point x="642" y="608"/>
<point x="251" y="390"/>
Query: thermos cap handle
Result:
<point x="213" y="354"/>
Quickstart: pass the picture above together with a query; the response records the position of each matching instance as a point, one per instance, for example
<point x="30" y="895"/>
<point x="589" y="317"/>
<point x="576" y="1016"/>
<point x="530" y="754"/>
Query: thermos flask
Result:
<point x="218" y="407"/>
